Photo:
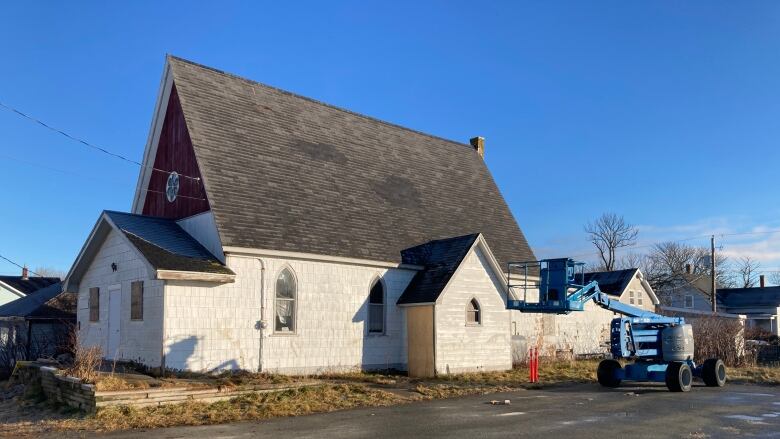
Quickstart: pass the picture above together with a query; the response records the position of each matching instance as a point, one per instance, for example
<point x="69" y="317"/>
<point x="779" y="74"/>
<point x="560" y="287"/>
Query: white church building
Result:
<point x="272" y="232"/>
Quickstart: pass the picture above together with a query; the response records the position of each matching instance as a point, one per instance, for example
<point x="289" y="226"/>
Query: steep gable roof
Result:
<point x="284" y="172"/>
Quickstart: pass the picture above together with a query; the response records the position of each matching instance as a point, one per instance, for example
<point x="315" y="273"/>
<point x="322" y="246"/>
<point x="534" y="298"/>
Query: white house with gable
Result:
<point x="272" y="232"/>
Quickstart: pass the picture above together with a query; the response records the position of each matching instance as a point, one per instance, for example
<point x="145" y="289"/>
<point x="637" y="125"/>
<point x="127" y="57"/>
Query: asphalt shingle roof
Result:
<point x="165" y="245"/>
<point x="612" y="282"/>
<point x="285" y="172"/>
<point x="48" y="302"/>
<point x="29" y="285"/>
<point x="440" y="258"/>
<point x="749" y="297"/>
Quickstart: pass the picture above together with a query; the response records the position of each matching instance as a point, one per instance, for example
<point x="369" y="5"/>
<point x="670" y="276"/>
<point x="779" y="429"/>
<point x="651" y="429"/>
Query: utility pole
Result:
<point x="712" y="272"/>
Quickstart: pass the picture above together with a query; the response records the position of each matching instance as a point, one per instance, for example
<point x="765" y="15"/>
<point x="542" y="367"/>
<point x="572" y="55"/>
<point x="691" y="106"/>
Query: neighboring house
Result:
<point x="277" y="233"/>
<point x="581" y="333"/>
<point x="15" y="287"/>
<point x="36" y="325"/>
<point x="760" y="306"/>
<point x="628" y="286"/>
<point x="690" y="295"/>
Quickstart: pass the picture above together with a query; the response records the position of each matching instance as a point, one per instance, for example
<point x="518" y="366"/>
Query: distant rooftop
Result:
<point x="29" y="285"/>
<point x="612" y="282"/>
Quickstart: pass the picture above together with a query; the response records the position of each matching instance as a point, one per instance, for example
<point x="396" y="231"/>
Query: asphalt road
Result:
<point x="581" y="411"/>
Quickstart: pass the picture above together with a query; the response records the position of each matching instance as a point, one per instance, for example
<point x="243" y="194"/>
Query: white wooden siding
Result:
<point x="465" y="348"/>
<point x="217" y="326"/>
<point x="139" y="340"/>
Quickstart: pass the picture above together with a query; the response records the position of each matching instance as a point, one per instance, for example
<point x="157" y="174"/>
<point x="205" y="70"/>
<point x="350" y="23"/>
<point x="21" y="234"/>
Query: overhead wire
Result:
<point x="87" y="144"/>
<point x="20" y="266"/>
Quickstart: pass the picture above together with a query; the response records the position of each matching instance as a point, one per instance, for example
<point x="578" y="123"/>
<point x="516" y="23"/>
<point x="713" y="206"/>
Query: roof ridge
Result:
<point x="316" y="101"/>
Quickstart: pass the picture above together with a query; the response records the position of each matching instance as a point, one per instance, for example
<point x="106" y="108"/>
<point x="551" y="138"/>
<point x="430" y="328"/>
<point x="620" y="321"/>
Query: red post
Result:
<point x="536" y="365"/>
<point x="533" y="365"/>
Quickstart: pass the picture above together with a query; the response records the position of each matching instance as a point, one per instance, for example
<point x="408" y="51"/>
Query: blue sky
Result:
<point x="665" y="112"/>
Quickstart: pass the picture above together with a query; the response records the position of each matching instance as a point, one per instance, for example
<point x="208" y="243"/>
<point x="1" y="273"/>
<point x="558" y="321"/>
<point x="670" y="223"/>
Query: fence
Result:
<point x="768" y="356"/>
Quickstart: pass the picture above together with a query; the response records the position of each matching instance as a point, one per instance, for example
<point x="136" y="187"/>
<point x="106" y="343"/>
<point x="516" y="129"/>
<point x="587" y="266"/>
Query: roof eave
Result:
<point x="195" y="275"/>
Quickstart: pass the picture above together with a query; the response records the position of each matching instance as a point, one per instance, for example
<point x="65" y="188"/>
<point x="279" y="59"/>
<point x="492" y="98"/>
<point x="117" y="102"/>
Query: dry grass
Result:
<point x="121" y="381"/>
<point x="754" y="375"/>
<point x="343" y="391"/>
<point x="110" y="382"/>
<point x="86" y="361"/>
<point x="295" y="402"/>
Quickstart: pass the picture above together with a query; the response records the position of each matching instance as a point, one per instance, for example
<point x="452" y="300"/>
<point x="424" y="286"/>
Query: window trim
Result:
<point x="685" y="301"/>
<point x="294" y="300"/>
<point x="137" y="319"/>
<point x="381" y="281"/>
<point x="97" y="305"/>
<point x="479" y="313"/>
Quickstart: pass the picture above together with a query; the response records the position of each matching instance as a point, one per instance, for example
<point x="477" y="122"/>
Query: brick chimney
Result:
<point x="25" y="275"/>
<point x="478" y="143"/>
<point x="761" y="281"/>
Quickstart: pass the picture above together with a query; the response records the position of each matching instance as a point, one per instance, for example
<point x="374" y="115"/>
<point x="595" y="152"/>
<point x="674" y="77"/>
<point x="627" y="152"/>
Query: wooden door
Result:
<point x="420" y="340"/>
<point x="114" y="321"/>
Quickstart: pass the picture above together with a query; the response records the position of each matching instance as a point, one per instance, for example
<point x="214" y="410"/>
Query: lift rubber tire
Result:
<point x="679" y="377"/>
<point x="606" y="373"/>
<point x="713" y="372"/>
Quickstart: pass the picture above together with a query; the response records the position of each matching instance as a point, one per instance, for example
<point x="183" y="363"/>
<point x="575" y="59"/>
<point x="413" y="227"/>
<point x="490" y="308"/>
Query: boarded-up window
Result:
<point x="286" y="291"/>
<point x="376" y="308"/>
<point x="473" y="316"/>
<point x="137" y="300"/>
<point x="94" y="304"/>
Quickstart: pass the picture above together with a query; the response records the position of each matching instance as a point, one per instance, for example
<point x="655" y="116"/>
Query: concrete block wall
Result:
<point x="56" y="387"/>
<point x="218" y="326"/>
<point x="578" y="333"/>
<point x="139" y="340"/>
<point x="465" y="348"/>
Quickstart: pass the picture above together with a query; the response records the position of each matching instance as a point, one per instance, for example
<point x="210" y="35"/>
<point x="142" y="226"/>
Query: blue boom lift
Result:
<point x="660" y="348"/>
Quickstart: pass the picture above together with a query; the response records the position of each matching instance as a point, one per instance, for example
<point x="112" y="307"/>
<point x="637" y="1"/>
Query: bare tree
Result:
<point x="50" y="272"/>
<point x="747" y="271"/>
<point x="774" y="278"/>
<point x="608" y="233"/>
<point x="668" y="260"/>
<point x="631" y="260"/>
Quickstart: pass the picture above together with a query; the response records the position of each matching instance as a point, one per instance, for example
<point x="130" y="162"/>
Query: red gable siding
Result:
<point x="175" y="153"/>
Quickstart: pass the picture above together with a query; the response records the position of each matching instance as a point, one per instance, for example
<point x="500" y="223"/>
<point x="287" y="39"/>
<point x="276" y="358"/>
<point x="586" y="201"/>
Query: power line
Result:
<point x="85" y="143"/>
<point x="632" y="247"/>
<point x="177" y="196"/>
<point x="31" y="163"/>
<point x="765" y="232"/>
<point x="14" y="263"/>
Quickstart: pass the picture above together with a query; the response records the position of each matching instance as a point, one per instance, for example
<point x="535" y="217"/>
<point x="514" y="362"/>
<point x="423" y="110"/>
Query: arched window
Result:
<point x="286" y="292"/>
<point x="473" y="315"/>
<point x="376" y="308"/>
